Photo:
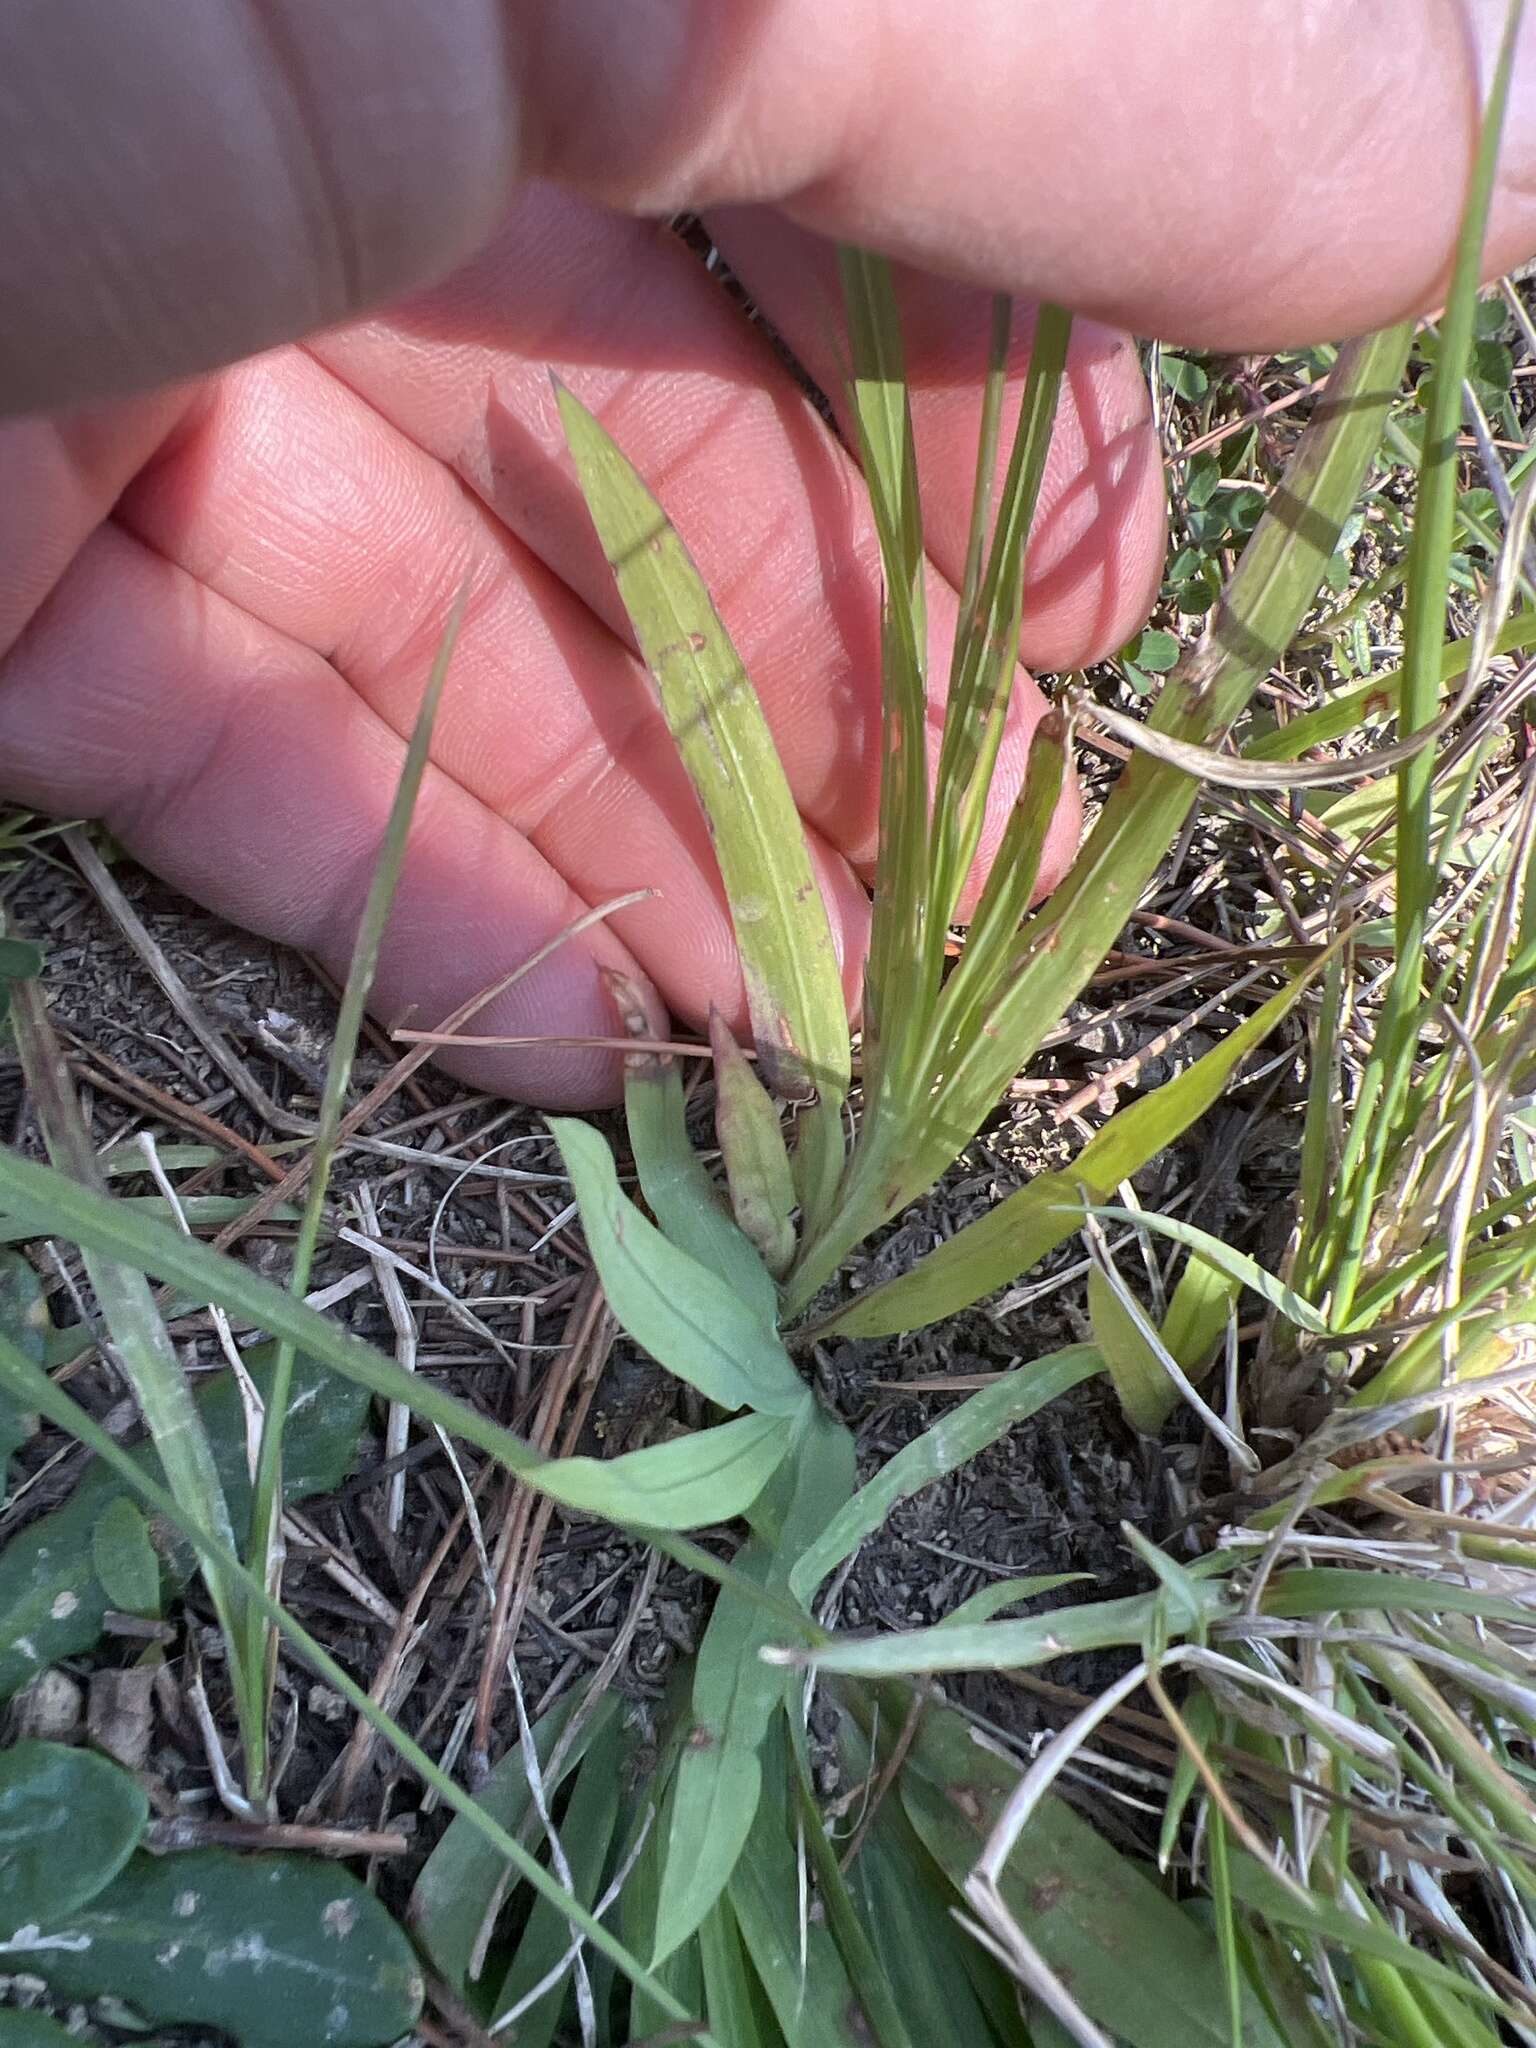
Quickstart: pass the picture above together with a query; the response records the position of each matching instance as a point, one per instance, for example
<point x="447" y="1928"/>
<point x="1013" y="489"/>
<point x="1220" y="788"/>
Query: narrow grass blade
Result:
<point x="683" y="1198"/>
<point x="682" y="1313"/>
<point x="1347" y="710"/>
<point x="141" y="1339"/>
<point x="1005" y="1242"/>
<point x="982" y="683"/>
<point x="1237" y="1265"/>
<point x="997" y="1645"/>
<point x="943" y="1447"/>
<point x="1387" y="1073"/>
<point x="29" y="1381"/>
<point x="1006" y="898"/>
<point x="794" y="990"/>
<point x="1274" y="583"/>
<point x="266" y="1499"/>
<point x="690" y="1482"/>
<point x="899" y="993"/>
<point x="752" y="1146"/>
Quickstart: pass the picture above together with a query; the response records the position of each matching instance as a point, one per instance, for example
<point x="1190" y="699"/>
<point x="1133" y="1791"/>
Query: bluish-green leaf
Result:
<point x="275" y="1950"/>
<point x="126" y="1562"/>
<point x="69" y="1821"/>
<point x="684" y="1315"/>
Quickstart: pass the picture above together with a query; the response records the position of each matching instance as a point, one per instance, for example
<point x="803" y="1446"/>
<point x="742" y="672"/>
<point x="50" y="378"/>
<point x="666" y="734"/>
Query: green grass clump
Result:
<point x="1329" y="1696"/>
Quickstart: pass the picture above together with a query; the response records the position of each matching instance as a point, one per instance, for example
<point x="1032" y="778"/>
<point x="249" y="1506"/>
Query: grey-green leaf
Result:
<point x="276" y="1950"/>
<point x="789" y="964"/>
<point x="683" y="1314"/>
<point x="52" y="1600"/>
<point x="126" y="1562"/>
<point x="683" y="1198"/>
<point x="69" y="1821"/>
<point x="1091" y="1913"/>
<point x="463" y="1877"/>
<point x="34" y="2030"/>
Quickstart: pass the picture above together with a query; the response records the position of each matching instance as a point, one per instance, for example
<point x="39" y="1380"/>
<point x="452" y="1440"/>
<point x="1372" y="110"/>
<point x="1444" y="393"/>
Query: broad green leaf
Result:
<point x="734" y="1999"/>
<point x="710" y="1476"/>
<point x="994" y="1250"/>
<point x="273" y="1949"/>
<point x="52" y="1601"/>
<point x="1135" y="1963"/>
<point x="735" y="1694"/>
<point x="586" y="1834"/>
<point x="1198" y="1315"/>
<point x="752" y="1146"/>
<point x="1141" y="1383"/>
<point x="69" y="1821"/>
<point x="683" y="1198"/>
<point x="59" y="1408"/>
<point x="942" y="1448"/>
<point x="796" y="1960"/>
<point x="718" y="1781"/>
<point x="464" y="1874"/>
<point x="126" y="1562"/>
<point x="794" y="988"/>
<point x="1237" y="1265"/>
<point x="906" y="1905"/>
<point x="878" y="1999"/>
<point x="684" y="1315"/>
<point x="34" y="2030"/>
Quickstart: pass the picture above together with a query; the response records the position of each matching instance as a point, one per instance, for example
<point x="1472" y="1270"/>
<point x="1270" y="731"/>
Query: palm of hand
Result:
<point x="225" y="600"/>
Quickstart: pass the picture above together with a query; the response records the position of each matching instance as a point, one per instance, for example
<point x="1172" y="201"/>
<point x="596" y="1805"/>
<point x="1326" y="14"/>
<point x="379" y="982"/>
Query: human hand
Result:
<point x="221" y="600"/>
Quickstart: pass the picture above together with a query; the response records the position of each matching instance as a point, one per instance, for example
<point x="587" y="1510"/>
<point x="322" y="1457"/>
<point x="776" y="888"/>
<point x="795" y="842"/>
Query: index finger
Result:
<point x="187" y="183"/>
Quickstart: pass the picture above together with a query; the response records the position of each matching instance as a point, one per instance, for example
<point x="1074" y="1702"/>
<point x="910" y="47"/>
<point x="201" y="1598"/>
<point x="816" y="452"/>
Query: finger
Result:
<point x="770" y="507"/>
<point x="239" y="765"/>
<point x="1232" y="177"/>
<point x="294" y="501"/>
<point x="1096" y="545"/>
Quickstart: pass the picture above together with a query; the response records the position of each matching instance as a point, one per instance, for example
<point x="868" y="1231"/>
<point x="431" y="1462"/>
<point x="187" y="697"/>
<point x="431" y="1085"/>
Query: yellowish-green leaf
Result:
<point x="1142" y="1385"/>
<point x="752" y="1145"/>
<point x="794" y="988"/>
<point x="999" y="1246"/>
